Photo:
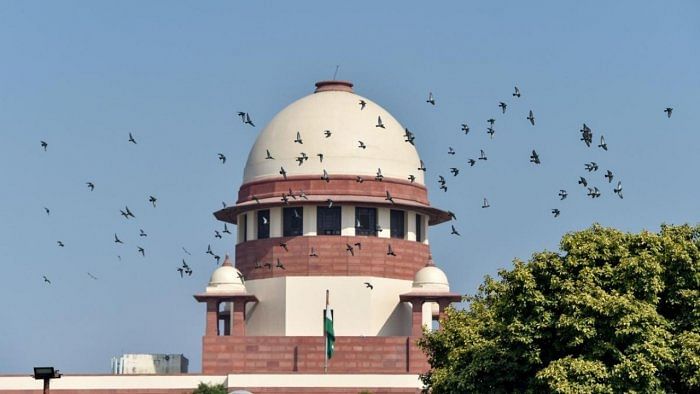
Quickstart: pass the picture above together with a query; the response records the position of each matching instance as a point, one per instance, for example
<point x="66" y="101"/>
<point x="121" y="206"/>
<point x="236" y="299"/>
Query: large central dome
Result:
<point x="333" y="107"/>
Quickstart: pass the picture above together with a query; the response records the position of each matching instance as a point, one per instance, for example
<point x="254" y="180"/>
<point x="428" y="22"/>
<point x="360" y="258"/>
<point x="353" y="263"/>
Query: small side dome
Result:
<point x="226" y="279"/>
<point x="431" y="278"/>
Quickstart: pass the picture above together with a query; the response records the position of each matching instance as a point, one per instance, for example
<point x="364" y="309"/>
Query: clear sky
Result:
<point x="81" y="75"/>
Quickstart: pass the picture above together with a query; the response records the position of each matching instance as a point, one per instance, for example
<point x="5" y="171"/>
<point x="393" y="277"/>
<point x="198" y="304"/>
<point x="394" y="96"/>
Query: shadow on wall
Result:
<point x="398" y="323"/>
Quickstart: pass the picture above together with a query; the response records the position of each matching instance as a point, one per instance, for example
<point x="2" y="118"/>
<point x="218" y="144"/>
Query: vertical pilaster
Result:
<point x="238" y="318"/>
<point x="212" y="322"/>
<point x="417" y="318"/>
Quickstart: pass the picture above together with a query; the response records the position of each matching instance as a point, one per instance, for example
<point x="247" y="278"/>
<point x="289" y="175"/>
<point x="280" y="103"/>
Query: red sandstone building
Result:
<point x="333" y="198"/>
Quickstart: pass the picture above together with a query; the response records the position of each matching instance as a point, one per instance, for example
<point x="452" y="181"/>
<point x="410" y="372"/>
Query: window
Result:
<point x="419" y="228"/>
<point x="365" y="221"/>
<point x="244" y="228"/>
<point x="397" y="224"/>
<point x="328" y="221"/>
<point x="264" y="224"/>
<point x="293" y="219"/>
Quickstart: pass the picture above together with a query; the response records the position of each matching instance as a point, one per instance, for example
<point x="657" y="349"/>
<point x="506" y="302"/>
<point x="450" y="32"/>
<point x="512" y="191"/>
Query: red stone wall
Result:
<point x="333" y="259"/>
<point x="256" y="390"/>
<point x="280" y="354"/>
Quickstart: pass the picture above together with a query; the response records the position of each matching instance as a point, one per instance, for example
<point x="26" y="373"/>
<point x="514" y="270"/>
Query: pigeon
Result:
<point x="668" y="111"/>
<point x="359" y="179"/>
<point x="280" y="265"/>
<point x="431" y="99"/>
<point x="471" y="162"/>
<point x="582" y="181"/>
<point x="248" y="121"/>
<point x="491" y="121"/>
<point x="142" y="251"/>
<point x="361" y="145"/>
<point x="422" y="166"/>
<point x="128" y="212"/>
<point x="609" y="175"/>
<point x="503" y="106"/>
<point x="320" y="157"/>
<point x="379" y="122"/>
<point x="226" y="230"/>
<point x="412" y="178"/>
<point x="531" y="118"/>
<point x="283" y="245"/>
<point x="390" y="251"/>
<point x="296" y="214"/>
<point x="256" y="199"/>
<point x="269" y="156"/>
<point x="389" y="197"/>
<point x="217" y="234"/>
<point x="517" y="92"/>
<point x="358" y="245"/>
<point x="482" y="155"/>
<point x="465" y="128"/>
<point x="302" y="195"/>
<point x="241" y="115"/>
<point x="452" y="215"/>
<point x="223" y="203"/>
<point x="586" y="135"/>
<point x="284" y="199"/>
<point x="325" y="176"/>
<point x="330" y="203"/>
<point x="131" y="139"/>
<point x="349" y="248"/>
<point x="362" y="104"/>
<point x="48" y="211"/>
<point x="90" y="185"/>
<point x="117" y="240"/>
<point x="592" y="166"/>
<point x="593" y="192"/>
<point x="142" y="233"/>
<point x="485" y="204"/>
<point x="562" y="194"/>
<point x="44" y="145"/>
<point x="298" y="140"/>
<point x="618" y="189"/>
<point x="443" y="188"/>
<point x="126" y="215"/>
<point x="61" y="244"/>
<point x="152" y="200"/>
<point x="209" y="251"/>
<point x="222" y="158"/>
<point x="490" y="131"/>
<point x="379" y="177"/>
<point x="534" y="157"/>
<point x="603" y="144"/>
<point x="454" y="171"/>
<point x="556" y="212"/>
<point x="327" y="133"/>
<point x="92" y="276"/>
<point x="46" y="279"/>
<point x="369" y="285"/>
<point x="441" y="180"/>
<point x="454" y="231"/>
<point x="283" y="173"/>
<point x="409" y="137"/>
<point x="313" y="252"/>
<point x="268" y="265"/>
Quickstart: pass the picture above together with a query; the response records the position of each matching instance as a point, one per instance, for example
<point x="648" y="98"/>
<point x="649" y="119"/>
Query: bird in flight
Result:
<point x="46" y="279"/>
<point x="390" y="251"/>
<point x="517" y="92"/>
<point x="60" y="243"/>
<point x="117" y="240"/>
<point x="485" y="204"/>
<point x="465" y="128"/>
<point x="222" y="158"/>
<point x="325" y="176"/>
<point x="593" y="192"/>
<point x="280" y="265"/>
<point x="327" y="133"/>
<point x="531" y="118"/>
<point x="349" y="248"/>
<point x="431" y="99"/>
<point x="491" y="121"/>
<point x="618" y="190"/>
<point x="592" y="166"/>
<point x="283" y="245"/>
<point x="379" y="177"/>
<point x="92" y="276"/>
<point x="320" y="157"/>
<point x="482" y="155"/>
<point x="152" y="200"/>
<point x="408" y="137"/>
<point x="454" y="231"/>
<point x="556" y="212"/>
<point x="44" y="145"/>
<point x="412" y="178"/>
<point x="503" y="106"/>
<point x="582" y="181"/>
<point x="609" y="175"/>
<point x="534" y="157"/>
<point x="562" y="194"/>
<point x="128" y="212"/>
<point x="283" y="173"/>
<point x="603" y="144"/>
<point x="668" y="111"/>
<point x="90" y="185"/>
<point x="217" y="234"/>
<point x="142" y="251"/>
<point x="269" y="156"/>
<point x="422" y="166"/>
<point x="362" y="104"/>
<point x="313" y="253"/>
<point x="454" y="171"/>
<point x="248" y="121"/>
<point x="298" y="140"/>
<point x="490" y="131"/>
<point x="361" y="145"/>
<point x="452" y="215"/>
<point x="209" y="251"/>
<point x="389" y="197"/>
<point x="142" y="233"/>
<point x="586" y="135"/>
<point x="131" y="139"/>
<point x="369" y="285"/>
<point x="226" y="230"/>
<point x="471" y="162"/>
<point x="242" y="116"/>
<point x="379" y="122"/>
<point x="359" y="179"/>
<point x="48" y="211"/>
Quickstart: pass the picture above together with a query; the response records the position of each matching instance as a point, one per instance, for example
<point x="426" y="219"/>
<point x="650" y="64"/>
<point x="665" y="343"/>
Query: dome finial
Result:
<point x="227" y="262"/>
<point x="341" y="86"/>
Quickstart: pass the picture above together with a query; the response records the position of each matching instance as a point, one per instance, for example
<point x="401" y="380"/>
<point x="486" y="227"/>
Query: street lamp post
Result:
<point x="46" y="374"/>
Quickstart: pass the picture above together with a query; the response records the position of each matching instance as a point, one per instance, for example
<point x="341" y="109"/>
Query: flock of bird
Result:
<point x="587" y="137"/>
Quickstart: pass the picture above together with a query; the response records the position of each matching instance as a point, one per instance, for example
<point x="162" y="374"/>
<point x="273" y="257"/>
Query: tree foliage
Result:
<point x="204" y="388"/>
<point x="612" y="312"/>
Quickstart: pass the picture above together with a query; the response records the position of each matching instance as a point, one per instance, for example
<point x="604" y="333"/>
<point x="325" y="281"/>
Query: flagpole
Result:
<point x="325" y="337"/>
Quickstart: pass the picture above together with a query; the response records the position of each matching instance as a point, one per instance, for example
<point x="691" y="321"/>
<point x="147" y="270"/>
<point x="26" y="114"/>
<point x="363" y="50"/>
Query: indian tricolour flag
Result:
<point x="328" y="331"/>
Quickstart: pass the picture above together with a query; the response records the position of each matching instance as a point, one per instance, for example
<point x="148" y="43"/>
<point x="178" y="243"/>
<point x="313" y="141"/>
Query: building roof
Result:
<point x="336" y="108"/>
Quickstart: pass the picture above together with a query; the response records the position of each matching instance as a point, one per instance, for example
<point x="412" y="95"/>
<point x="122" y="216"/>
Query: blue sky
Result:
<point x="81" y="75"/>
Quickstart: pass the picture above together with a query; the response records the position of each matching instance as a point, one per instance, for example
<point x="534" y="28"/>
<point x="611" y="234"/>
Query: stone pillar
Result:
<point x="212" y="322"/>
<point x="417" y="318"/>
<point x="238" y="318"/>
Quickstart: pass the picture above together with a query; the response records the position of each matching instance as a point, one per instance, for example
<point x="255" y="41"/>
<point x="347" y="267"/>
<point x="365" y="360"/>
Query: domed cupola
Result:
<point x="226" y="279"/>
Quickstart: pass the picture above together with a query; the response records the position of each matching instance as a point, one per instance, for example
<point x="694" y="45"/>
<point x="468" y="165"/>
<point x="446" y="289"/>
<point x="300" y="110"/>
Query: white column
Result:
<point x="428" y="314"/>
<point x="310" y="222"/>
<point x="410" y="226"/>
<point x="275" y="222"/>
<point x="426" y="219"/>
<point x="252" y="234"/>
<point x="347" y="220"/>
<point x="384" y="221"/>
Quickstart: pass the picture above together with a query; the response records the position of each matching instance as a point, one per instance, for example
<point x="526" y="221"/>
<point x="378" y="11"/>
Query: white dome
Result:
<point x="226" y="279"/>
<point x="431" y="278"/>
<point x="338" y="111"/>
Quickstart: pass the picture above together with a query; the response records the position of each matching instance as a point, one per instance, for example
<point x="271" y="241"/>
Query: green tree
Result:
<point x="204" y="388"/>
<point x="611" y="312"/>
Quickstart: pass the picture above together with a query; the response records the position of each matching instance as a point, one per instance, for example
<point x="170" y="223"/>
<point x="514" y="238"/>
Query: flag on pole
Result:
<point x="328" y="331"/>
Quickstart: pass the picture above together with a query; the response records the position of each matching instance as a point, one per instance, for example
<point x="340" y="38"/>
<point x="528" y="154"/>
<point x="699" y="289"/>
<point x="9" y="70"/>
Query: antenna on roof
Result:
<point x="336" y="71"/>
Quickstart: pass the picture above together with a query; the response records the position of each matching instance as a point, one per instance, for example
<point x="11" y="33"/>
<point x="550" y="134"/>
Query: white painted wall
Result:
<point x="347" y="220"/>
<point x="411" y="226"/>
<point x="149" y="364"/>
<point x="275" y="222"/>
<point x="384" y="221"/>
<point x="309" y="227"/>
<point x="267" y="316"/>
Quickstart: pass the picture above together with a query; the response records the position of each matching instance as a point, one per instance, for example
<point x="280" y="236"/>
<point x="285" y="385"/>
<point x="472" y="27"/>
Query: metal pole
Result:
<point x="46" y="386"/>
